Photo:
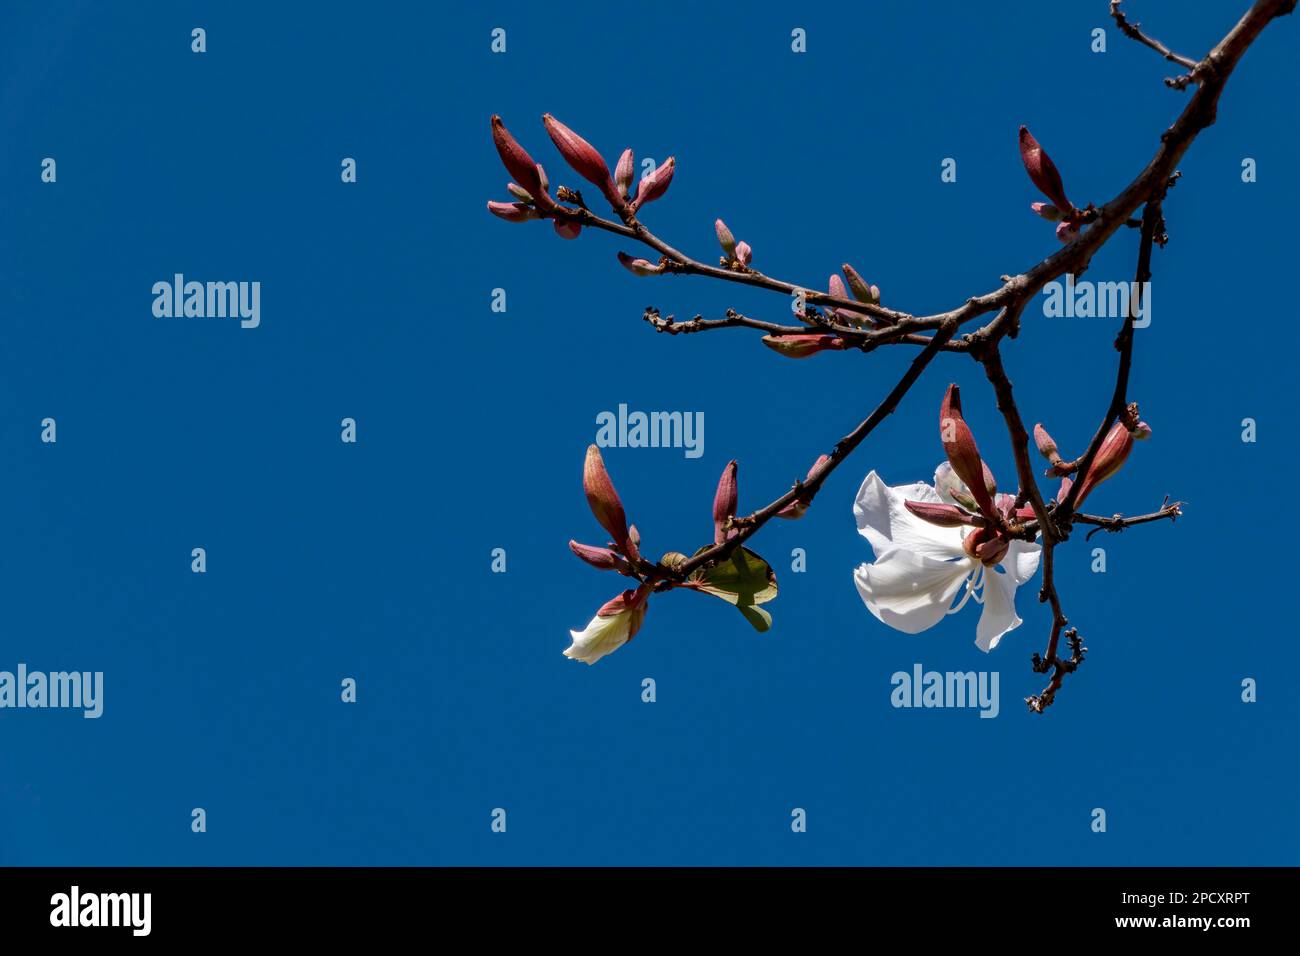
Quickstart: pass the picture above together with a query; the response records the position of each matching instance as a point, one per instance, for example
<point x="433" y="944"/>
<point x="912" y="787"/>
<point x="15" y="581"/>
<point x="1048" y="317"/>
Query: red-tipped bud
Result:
<point x="566" y="229"/>
<point x="724" y="503"/>
<point x="639" y="267"/>
<point x="862" y="290"/>
<point x="652" y="187"/>
<point x="945" y="516"/>
<point x="744" y="254"/>
<point x="725" y="238"/>
<point x="963" y="454"/>
<point x="1067" y="231"/>
<point x="1046" y="447"/>
<point x="602" y="558"/>
<point x="802" y="346"/>
<point x="1043" y="172"/>
<point x="1046" y="210"/>
<point x="602" y="498"/>
<point x="515" y="158"/>
<point x="583" y="157"/>
<point x="512" y="211"/>
<point x="623" y="173"/>
<point x="1110" y="458"/>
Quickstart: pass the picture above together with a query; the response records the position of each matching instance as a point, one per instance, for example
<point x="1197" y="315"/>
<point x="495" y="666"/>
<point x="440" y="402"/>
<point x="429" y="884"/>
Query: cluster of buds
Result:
<point x="1047" y="178"/>
<point x="531" y="191"/>
<point x="969" y="482"/>
<point x="735" y="255"/>
<point x="1110" y="457"/>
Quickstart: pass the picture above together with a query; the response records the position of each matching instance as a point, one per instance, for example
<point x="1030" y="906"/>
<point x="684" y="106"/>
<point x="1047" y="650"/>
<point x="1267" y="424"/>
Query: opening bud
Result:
<point x="602" y="498"/>
<point x="802" y="346"/>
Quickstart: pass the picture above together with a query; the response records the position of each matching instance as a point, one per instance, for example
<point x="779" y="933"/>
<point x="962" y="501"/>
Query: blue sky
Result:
<point x="372" y="561"/>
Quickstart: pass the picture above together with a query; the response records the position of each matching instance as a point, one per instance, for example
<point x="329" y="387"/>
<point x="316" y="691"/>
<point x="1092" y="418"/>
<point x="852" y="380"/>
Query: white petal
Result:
<point x="999" y="609"/>
<point x="886" y="523"/>
<point x="1021" y="560"/>
<point x="603" y="635"/>
<point x="910" y="592"/>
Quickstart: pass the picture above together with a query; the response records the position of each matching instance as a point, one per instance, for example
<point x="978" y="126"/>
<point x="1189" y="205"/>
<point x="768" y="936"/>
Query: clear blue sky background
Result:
<point x="372" y="560"/>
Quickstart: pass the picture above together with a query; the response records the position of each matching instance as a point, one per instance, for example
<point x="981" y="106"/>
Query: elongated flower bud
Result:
<point x="602" y="558"/>
<point x="1046" y="210"/>
<point x="519" y="192"/>
<point x="1043" y="172"/>
<point x="945" y="516"/>
<point x="518" y="163"/>
<point x="583" y="157"/>
<point x="653" y="187"/>
<point x="512" y="211"/>
<point x="1046" y="447"/>
<point x="602" y="498"/>
<point x="802" y="346"/>
<point x="725" y="238"/>
<point x="623" y="172"/>
<point x="566" y="229"/>
<point x="963" y="455"/>
<point x="639" y="267"/>
<point x="836" y="287"/>
<point x="1063" y="492"/>
<point x="724" y="503"/>
<point x="1110" y="458"/>
<point x="862" y="290"/>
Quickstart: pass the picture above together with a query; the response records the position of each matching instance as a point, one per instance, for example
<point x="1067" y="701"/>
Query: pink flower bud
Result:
<point x="566" y="229"/>
<point x="1043" y="172"/>
<point x="724" y="503"/>
<point x="1110" y="458"/>
<point x="1061" y="493"/>
<point x="1046" y="447"/>
<point x="744" y="255"/>
<point x="859" y="286"/>
<point x="633" y="543"/>
<point x="1046" y="210"/>
<point x="583" y="157"/>
<point x="512" y="211"/>
<point x="986" y="546"/>
<point x="623" y="172"/>
<point x="519" y="192"/>
<point x="802" y="346"/>
<point x="1142" y="432"/>
<point x="725" y="238"/>
<point x="836" y="287"/>
<point x="602" y="498"/>
<point x="653" y="187"/>
<point x="945" y="516"/>
<point x="639" y="267"/>
<point x="1067" y="231"/>
<point x="963" y="455"/>
<point x="515" y="158"/>
<point x="602" y="558"/>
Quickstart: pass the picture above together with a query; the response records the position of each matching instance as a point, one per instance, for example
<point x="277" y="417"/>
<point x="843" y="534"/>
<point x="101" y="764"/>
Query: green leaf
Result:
<point x="744" y="580"/>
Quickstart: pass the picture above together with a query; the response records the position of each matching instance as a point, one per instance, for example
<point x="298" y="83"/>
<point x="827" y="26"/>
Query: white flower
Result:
<point x="613" y="626"/>
<point x="920" y="567"/>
